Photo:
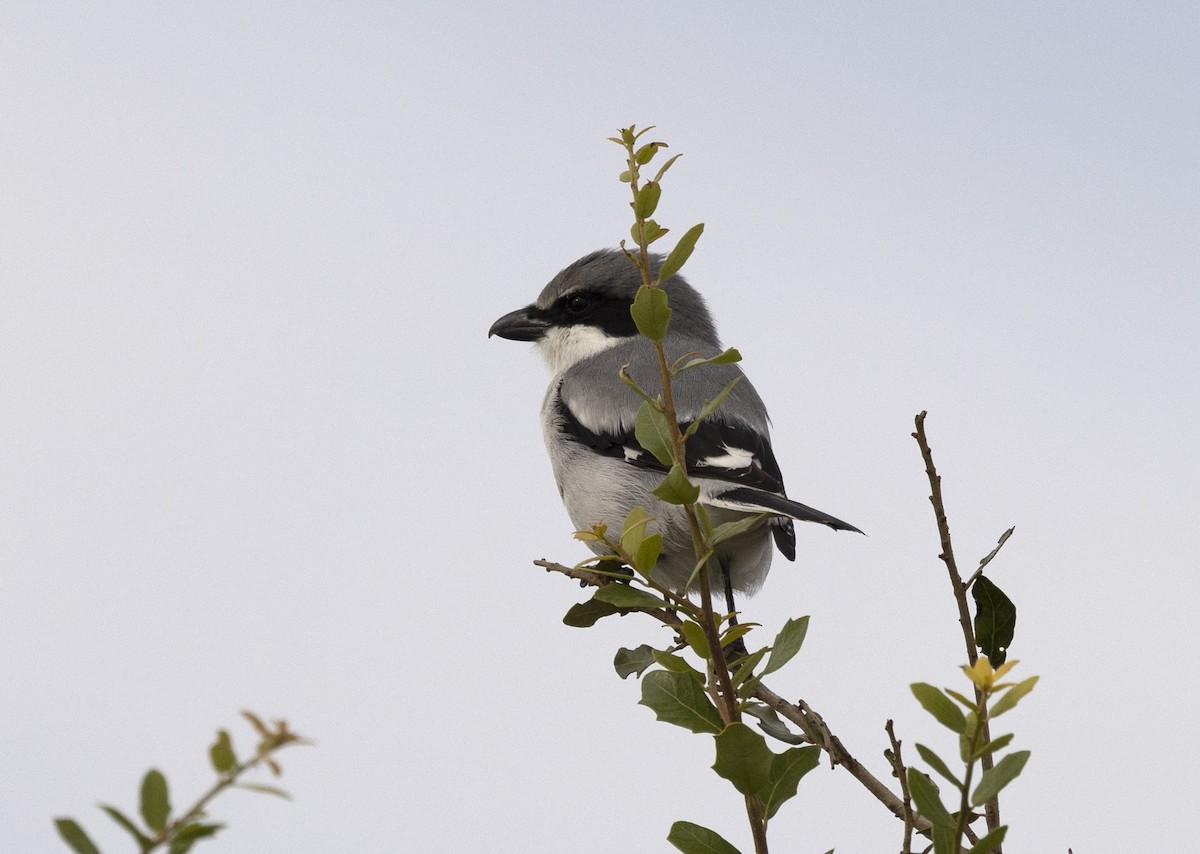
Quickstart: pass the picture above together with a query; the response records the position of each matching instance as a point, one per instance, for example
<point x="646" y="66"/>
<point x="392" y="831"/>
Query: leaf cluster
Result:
<point x="180" y="833"/>
<point x="964" y="716"/>
<point x="678" y="693"/>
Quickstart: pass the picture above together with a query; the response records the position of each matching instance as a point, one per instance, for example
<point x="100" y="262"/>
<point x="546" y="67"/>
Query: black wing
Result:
<point x="718" y="449"/>
<point x="722" y="450"/>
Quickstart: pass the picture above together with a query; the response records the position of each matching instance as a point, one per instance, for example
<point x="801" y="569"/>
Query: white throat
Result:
<point x="564" y="346"/>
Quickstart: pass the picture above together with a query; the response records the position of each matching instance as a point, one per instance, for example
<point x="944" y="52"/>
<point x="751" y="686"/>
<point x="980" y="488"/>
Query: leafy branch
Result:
<point x="652" y="315"/>
<point x="154" y="802"/>
<point x="995" y="606"/>
<point x="975" y="746"/>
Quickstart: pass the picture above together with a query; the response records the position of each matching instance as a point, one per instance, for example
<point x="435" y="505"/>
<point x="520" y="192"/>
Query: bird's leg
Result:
<point x="737" y="649"/>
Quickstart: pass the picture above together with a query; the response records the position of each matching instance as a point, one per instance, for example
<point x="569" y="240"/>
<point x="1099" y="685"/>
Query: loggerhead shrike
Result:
<point x="582" y="325"/>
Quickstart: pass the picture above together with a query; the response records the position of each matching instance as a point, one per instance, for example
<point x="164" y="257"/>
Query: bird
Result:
<point x="582" y="326"/>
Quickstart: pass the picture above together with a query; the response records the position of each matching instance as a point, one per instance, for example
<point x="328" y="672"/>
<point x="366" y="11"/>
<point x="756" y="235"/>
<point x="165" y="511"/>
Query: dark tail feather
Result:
<point x="752" y="499"/>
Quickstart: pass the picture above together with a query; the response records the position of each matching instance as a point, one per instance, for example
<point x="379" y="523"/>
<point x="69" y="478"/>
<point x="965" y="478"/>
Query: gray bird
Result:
<point x="583" y="328"/>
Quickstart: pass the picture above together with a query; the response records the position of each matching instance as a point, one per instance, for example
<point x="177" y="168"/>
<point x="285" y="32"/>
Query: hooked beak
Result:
<point x="524" y="324"/>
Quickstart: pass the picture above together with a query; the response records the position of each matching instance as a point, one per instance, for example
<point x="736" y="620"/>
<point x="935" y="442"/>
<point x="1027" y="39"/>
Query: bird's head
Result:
<point x="584" y="310"/>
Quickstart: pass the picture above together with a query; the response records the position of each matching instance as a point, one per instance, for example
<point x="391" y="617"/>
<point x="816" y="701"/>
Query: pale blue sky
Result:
<point x="256" y="450"/>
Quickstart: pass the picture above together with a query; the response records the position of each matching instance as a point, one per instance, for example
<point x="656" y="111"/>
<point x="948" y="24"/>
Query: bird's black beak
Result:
<point x="524" y="324"/>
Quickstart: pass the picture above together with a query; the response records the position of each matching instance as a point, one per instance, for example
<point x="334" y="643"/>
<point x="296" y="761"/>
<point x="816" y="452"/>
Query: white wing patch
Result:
<point x="733" y="459"/>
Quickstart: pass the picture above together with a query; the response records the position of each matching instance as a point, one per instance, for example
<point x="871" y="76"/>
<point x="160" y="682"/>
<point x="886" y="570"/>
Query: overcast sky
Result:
<point x="256" y="450"/>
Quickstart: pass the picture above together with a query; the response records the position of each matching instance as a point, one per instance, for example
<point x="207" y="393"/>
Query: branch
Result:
<point x="992" y="808"/>
<point x="273" y="741"/>
<point x="800" y="713"/>
<point x="902" y="775"/>
<point x="947" y="555"/>
<point x="814" y="726"/>
<point x="591" y="578"/>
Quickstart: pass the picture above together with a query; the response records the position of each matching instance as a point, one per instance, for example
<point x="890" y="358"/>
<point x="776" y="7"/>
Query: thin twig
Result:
<point x="992" y="808"/>
<point x="902" y="775"/>
<point x="815" y="728"/>
<point x="273" y="742"/>
<point x="588" y="578"/>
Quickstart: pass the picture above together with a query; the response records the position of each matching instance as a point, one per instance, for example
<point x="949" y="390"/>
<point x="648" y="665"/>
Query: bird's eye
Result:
<point x="578" y="304"/>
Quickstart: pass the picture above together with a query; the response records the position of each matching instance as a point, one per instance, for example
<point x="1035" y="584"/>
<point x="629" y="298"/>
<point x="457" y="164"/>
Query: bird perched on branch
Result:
<point x="582" y="325"/>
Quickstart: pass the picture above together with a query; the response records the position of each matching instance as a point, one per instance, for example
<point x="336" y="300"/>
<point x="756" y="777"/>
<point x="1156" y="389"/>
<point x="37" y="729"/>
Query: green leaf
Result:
<point x="187" y="835"/>
<point x="742" y="671"/>
<point x="646" y="153"/>
<point x="652" y="433"/>
<point x="647" y="232"/>
<point x="1003" y="773"/>
<point x="943" y="839"/>
<point x="989" y="842"/>
<point x="221" y="753"/>
<point x="711" y="406"/>
<point x="1012" y="696"/>
<point x="642" y="549"/>
<point x="155" y="802"/>
<point x="728" y="357"/>
<point x="694" y="839"/>
<point x="967" y="702"/>
<point x="770" y="723"/>
<point x="663" y="169"/>
<point x="695" y="573"/>
<point x="743" y="758"/>
<point x="940" y="706"/>
<point x="925" y="796"/>
<point x="646" y="557"/>
<point x="678" y="256"/>
<point x="647" y="199"/>
<point x="633" y="530"/>
<point x="132" y="829"/>
<point x="264" y="789"/>
<point x="677" y="664"/>
<point x="585" y="614"/>
<point x="696" y="639"/>
<point x="995" y="620"/>
<point x="935" y="762"/>
<point x="676" y="488"/>
<point x="787" y="644"/>
<point x="786" y="770"/>
<point x="625" y="597"/>
<point x="651" y="313"/>
<point x="631" y="661"/>
<point x="994" y="745"/>
<point x="729" y="530"/>
<point x="74" y="836"/>
<point x="677" y="699"/>
<point x="736" y="631"/>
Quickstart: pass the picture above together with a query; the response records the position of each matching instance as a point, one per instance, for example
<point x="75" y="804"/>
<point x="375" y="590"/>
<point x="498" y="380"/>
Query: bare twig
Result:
<point x="901" y="773"/>
<point x="992" y="808"/>
<point x="814" y="726"/>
